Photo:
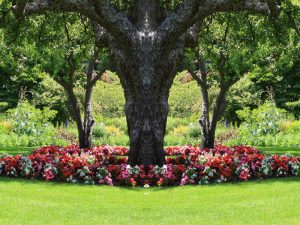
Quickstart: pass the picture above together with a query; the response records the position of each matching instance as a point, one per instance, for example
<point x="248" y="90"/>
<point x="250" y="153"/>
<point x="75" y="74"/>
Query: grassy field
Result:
<point x="267" y="150"/>
<point x="257" y="202"/>
<point x="16" y="150"/>
<point x="280" y="151"/>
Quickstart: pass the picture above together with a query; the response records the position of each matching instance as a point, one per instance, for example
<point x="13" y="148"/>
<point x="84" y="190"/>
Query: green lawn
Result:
<point x="260" y="202"/>
<point x="16" y="150"/>
<point x="267" y="150"/>
<point x="280" y="150"/>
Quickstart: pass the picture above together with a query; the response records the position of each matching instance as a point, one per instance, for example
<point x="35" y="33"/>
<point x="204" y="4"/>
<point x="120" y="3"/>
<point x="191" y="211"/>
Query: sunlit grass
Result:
<point x="267" y="150"/>
<point x="280" y="150"/>
<point x="258" y="202"/>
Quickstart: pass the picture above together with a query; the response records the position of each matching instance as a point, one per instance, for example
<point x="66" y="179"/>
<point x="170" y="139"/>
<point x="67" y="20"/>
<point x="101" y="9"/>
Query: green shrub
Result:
<point x="119" y="122"/>
<point x="121" y="140"/>
<point x="291" y="127"/>
<point x="5" y="127"/>
<point x="194" y="130"/>
<point x="109" y="98"/>
<point x="31" y="121"/>
<point x="174" y="122"/>
<point x="185" y="98"/>
<point x="99" y="130"/>
<point x="262" y="121"/>
<point x="279" y="140"/>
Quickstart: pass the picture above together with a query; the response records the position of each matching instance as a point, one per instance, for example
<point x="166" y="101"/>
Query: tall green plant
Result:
<point x="31" y="121"/>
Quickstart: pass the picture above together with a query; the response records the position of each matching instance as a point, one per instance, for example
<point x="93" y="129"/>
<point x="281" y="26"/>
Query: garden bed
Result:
<point x="184" y="165"/>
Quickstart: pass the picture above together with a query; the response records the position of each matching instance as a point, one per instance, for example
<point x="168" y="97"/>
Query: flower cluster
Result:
<point x="184" y="165"/>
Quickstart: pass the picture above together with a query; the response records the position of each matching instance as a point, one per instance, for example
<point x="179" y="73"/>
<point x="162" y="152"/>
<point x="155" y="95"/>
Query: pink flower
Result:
<point x="109" y="181"/>
<point x="244" y="175"/>
<point x="184" y="180"/>
<point x="48" y="175"/>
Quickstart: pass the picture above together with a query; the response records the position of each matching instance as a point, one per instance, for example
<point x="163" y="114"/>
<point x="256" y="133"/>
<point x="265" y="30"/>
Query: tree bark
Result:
<point x="146" y="120"/>
<point x="146" y="92"/>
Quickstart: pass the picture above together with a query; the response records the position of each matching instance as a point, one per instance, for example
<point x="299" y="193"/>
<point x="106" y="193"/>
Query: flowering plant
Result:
<point x="184" y="165"/>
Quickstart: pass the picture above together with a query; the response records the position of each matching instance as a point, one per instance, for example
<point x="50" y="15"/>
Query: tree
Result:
<point x="276" y="70"/>
<point x="146" y="42"/>
<point x="61" y="51"/>
<point x="19" y="74"/>
<point x="224" y="56"/>
<point x="73" y="62"/>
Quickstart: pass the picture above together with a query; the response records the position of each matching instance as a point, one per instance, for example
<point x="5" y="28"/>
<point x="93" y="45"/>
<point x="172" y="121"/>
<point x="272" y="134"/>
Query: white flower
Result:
<point x="146" y="186"/>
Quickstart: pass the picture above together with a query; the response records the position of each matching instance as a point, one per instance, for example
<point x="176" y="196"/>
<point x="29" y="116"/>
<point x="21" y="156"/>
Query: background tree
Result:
<point x="56" y="46"/>
<point x="19" y="73"/>
<point x="223" y="57"/>
<point x="231" y="50"/>
<point x="73" y="62"/>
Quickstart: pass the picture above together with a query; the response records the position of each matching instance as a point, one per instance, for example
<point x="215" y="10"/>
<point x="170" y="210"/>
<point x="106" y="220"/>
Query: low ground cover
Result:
<point x="184" y="165"/>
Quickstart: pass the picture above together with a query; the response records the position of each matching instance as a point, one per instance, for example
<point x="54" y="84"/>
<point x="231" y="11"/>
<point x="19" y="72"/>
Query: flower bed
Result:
<point x="188" y="165"/>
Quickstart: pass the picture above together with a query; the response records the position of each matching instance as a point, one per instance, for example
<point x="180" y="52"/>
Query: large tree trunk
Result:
<point x="146" y="74"/>
<point x="146" y="119"/>
<point x="146" y="109"/>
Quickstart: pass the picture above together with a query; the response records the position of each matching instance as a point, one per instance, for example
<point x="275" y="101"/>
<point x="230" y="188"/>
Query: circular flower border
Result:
<point x="184" y="165"/>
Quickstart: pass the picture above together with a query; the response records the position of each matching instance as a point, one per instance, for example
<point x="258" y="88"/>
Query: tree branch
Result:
<point x="101" y="35"/>
<point x="19" y="8"/>
<point x="101" y="11"/>
<point x="191" y="11"/>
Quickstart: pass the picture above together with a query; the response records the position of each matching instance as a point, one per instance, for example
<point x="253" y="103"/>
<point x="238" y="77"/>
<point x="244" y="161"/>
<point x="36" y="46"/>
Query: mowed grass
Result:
<point x="266" y="150"/>
<point x="16" y="150"/>
<point x="275" y="201"/>
<point x="280" y="150"/>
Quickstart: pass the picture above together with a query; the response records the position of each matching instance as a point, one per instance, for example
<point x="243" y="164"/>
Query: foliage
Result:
<point x="6" y="127"/>
<point x="262" y="121"/>
<point x="266" y="126"/>
<point x="278" y="140"/>
<point x="31" y="121"/>
<point x="241" y="95"/>
<point x="50" y="94"/>
<point x="184" y="98"/>
<point x="292" y="127"/>
<point x="99" y="130"/>
<point x="17" y="140"/>
<point x="19" y="74"/>
<point x="108" y="98"/>
<point x="181" y="131"/>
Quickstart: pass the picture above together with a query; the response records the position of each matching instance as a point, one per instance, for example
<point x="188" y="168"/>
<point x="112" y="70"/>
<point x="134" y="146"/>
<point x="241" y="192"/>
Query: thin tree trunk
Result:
<point x="88" y="118"/>
<point x="206" y="139"/>
<point x="76" y="113"/>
